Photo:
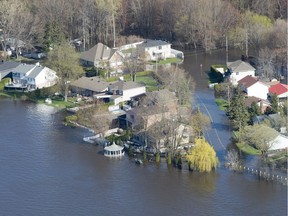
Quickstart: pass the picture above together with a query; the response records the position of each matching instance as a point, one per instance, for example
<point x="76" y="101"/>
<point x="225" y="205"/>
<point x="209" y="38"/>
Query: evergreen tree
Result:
<point x="254" y="110"/>
<point x="238" y="111"/>
<point x="274" y="104"/>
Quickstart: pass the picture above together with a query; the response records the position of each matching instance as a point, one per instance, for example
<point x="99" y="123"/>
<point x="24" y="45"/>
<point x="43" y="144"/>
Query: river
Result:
<point x="47" y="169"/>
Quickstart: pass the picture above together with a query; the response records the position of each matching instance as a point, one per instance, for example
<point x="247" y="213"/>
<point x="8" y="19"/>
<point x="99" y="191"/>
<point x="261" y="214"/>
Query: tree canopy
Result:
<point x="258" y="136"/>
<point x="65" y="61"/>
<point x="202" y="156"/>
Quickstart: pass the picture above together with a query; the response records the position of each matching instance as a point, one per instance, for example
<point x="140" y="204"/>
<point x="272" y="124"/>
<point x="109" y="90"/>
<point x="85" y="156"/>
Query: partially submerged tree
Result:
<point x="65" y="61"/>
<point x="202" y="157"/>
<point x="232" y="159"/>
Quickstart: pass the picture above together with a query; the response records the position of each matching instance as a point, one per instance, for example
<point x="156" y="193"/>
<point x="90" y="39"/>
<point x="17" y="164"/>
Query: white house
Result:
<point x="31" y="77"/>
<point x="237" y="70"/>
<point x="155" y="49"/>
<point x="122" y="91"/>
<point x="254" y="87"/>
<point x="280" y="142"/>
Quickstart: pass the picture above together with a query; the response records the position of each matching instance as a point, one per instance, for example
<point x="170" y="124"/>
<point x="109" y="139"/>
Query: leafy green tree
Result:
<point x="65" y="61"/>
<point x="258" y="136"/>
<point x="202" y="156"/>
<point x="238" y="111"/>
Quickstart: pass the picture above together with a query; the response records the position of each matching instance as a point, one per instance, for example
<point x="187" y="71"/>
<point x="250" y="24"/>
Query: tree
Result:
<point x="65" y="61"/>
<point x="111" y="6"/>
<point x="178" y="81"/>
<point x="266" y="63"/>
<point x="258" y="136"/>
<point x="199" y="123"/>
<point x="16" y="22"/>
<point x="254" y="110"/>
<point x="232" y="159"/>
<point x="274" y="108"/>
<point x="202" y="156"/>
<point x="238" y="111"/>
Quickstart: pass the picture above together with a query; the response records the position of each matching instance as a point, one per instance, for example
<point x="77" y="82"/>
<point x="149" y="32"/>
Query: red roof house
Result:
<point x="281" y="90"/>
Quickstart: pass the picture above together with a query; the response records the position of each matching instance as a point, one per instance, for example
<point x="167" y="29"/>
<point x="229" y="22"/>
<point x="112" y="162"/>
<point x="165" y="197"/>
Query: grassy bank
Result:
<point x="247" y="149"/>
<point x="221" y="103"/>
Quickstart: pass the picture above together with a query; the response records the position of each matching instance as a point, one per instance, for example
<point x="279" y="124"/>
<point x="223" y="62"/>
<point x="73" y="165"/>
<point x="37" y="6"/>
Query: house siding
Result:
<point x="258" y="90"/>
<point x="236" y="76"/>
<point x="127" y="94"/>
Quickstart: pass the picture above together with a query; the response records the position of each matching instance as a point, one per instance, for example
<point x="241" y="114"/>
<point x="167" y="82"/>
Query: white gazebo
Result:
<point x="114" y="150"/>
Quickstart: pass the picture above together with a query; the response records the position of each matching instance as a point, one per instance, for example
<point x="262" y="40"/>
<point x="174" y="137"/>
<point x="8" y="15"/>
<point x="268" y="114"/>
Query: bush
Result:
<point x="3" y="82"/>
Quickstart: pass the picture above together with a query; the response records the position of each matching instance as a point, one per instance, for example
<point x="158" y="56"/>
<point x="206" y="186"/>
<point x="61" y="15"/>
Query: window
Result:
<point x="160" y="47"/>
<point x="237" y="73"/>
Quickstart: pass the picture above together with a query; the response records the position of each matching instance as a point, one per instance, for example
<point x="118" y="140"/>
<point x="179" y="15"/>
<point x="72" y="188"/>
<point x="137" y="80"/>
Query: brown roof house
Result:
<point x="101" y="56"/>
<point x="254" y="87"/>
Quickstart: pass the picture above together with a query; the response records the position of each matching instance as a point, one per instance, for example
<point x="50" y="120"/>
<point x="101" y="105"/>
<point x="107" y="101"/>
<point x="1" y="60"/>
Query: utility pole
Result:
<point x="226" y="49"/>
<point x="246" y="40"/>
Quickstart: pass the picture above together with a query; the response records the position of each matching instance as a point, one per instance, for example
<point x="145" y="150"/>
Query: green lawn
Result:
<point x="168" y="60"/>
<point x="221" y="103"/>
<point x="248" y="149"/>
<point x="145" y="77"/>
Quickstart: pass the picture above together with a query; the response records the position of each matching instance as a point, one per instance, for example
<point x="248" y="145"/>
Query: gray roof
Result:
<point x="239" y="66"/>
<point x="8" y="66"/>
<point x="98" y="52"/>
<point x="23" y="68"/>
<point x="35" y="72"/>
<point x="154" y="43"/>
<point x="124" y="85"/>
<point x="91" y="83"/>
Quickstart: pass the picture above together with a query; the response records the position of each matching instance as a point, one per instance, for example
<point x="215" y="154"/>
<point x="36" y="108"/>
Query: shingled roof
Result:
<point x="239" y="66"/>
<point x="98" y="52"/>
<point x="278" y="89"/>
<point x="91" y="83"/>
<point x="249" y="81"/>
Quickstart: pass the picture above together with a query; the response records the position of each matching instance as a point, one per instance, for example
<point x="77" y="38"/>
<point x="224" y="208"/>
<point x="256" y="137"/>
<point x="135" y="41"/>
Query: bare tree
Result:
<point x="266" y="63"/>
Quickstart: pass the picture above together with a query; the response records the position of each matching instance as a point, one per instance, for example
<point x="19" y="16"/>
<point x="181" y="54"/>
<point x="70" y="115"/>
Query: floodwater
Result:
<point x="46" y="169"/>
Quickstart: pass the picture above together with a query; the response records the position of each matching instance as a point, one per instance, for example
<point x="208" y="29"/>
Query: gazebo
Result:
<point x="114" y="150"/>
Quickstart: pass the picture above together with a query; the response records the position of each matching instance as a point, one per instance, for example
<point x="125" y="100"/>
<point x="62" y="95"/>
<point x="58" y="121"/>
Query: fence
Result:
<point x="263" y="175"/>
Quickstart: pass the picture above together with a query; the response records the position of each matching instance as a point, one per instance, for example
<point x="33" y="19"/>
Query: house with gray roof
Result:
<point x="101" y="56"/>
<point x="30" y="77"/>
<point x="6" y="68"/>
<point x="89" y="86"/>
<point x="239" y="69"/>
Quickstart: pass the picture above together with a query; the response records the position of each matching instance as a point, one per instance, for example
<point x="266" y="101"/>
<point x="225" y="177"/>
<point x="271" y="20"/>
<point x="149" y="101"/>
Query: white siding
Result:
<point x="127" y="94"/>
<point x="235" y="77"/>
<point x="258" y="90"/>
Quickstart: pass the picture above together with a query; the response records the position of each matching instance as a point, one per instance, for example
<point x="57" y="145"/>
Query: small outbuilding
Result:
<point x="114" y="150"/>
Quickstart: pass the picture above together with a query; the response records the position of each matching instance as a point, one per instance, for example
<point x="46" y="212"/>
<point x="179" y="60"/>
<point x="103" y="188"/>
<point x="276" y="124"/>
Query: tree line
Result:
<point x="197" y="24"/>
